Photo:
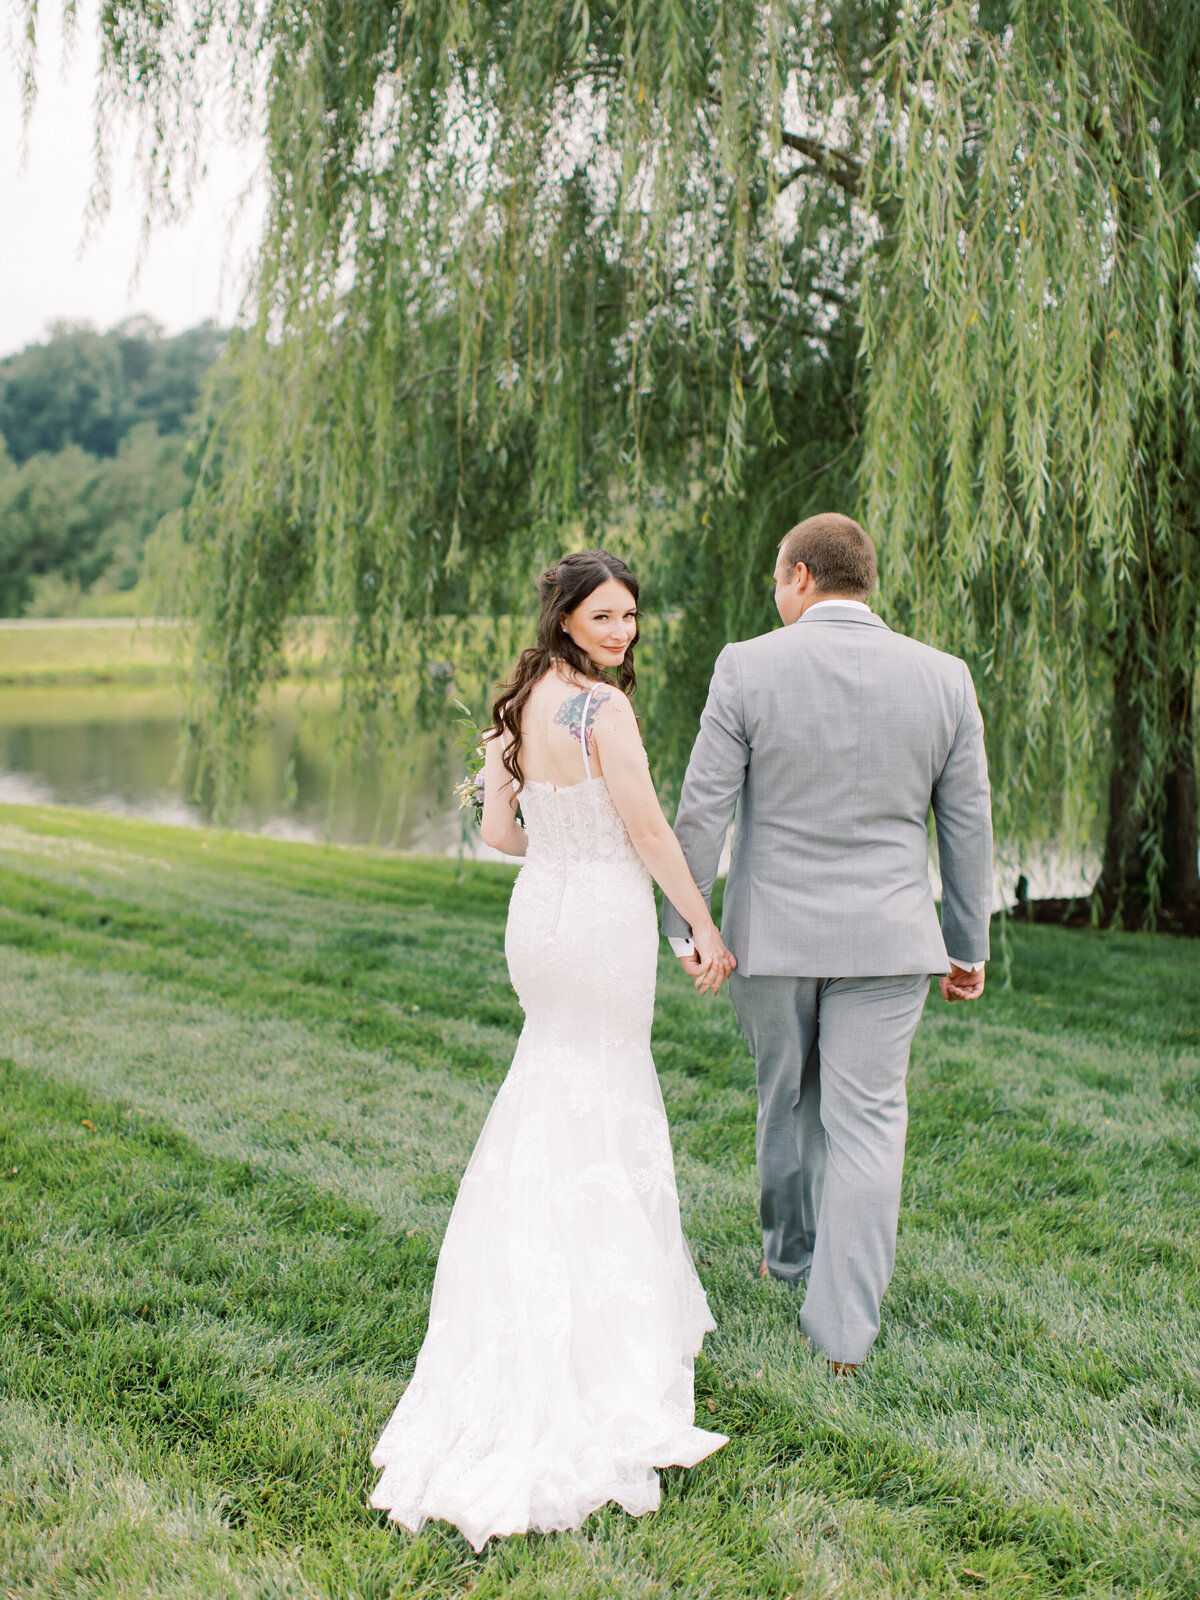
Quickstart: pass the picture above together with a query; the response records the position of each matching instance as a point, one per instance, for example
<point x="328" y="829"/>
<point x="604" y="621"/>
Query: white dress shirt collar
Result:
<point x="817" y="604"/>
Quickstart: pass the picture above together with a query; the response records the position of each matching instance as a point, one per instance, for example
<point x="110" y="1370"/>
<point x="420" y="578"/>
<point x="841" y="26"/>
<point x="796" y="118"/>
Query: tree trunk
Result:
<point x="1149" y="877"/>
<point x="1137" y="830"/>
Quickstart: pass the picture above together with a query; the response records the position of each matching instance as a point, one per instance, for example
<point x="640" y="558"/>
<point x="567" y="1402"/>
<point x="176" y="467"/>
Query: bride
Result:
<point x="557" y="1370"/>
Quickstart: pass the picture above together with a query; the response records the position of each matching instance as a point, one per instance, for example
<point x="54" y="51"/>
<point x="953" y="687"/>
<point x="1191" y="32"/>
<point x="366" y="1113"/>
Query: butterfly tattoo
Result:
<point x="570" y="714"/>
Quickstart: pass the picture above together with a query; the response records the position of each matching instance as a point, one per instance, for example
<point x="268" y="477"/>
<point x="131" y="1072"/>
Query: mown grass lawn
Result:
<point x="122" y="650"/>
<point x="238" y="1083"/>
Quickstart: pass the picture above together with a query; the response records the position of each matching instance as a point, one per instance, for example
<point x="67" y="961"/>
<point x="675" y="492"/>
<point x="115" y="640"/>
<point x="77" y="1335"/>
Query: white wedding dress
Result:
<point x="557" y="1370"/>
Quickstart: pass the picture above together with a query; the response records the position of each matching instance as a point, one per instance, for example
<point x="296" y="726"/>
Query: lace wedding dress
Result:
<point x="557" y="1370"/>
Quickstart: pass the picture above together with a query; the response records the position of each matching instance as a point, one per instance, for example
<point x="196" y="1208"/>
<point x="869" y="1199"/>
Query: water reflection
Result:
<point x="117" y="749"/>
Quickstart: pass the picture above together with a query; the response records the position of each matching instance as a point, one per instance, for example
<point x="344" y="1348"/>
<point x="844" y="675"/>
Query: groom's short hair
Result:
<point x="837" y="552"/>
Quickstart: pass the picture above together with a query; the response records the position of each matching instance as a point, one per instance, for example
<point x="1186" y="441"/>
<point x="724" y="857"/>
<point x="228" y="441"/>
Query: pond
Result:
<point x="116" y="748"/>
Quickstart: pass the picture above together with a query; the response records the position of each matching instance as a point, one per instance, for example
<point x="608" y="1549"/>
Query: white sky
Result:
<point x="193" y="269"/>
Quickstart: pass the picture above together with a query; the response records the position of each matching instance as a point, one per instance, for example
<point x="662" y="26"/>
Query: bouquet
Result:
<point x="470" y="789"/>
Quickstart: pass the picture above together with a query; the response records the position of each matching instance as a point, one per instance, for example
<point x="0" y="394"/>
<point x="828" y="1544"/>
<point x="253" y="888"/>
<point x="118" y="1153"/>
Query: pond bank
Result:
<point x="90" y="714"/>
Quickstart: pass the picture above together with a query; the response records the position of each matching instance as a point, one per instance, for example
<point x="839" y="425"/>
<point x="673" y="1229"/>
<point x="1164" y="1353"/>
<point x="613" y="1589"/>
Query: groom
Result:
<point x="833" y="737"/>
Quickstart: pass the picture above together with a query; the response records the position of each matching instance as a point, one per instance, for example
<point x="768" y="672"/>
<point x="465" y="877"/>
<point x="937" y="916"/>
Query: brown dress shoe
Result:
<point x="843" y="1369"/>
<point x="764" y="1271"/>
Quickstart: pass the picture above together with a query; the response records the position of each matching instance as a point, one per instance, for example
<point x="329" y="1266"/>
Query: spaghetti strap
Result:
<point x="587" y="765"/>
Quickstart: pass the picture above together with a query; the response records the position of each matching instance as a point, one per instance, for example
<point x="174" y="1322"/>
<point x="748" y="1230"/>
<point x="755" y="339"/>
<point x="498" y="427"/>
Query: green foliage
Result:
<point x="517" y="290"/>
<point x="90" y="389"/>
<point x="1033" y="457"/>
<point x="678" y="273"/>
<point x="93" y="455"/>
<point x="70" y="522"/>
<point x="240" y="1082"/>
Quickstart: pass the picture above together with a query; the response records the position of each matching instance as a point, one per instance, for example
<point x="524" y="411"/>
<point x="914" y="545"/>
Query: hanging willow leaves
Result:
<point x="675" y="274"/>
<point x="1032" y="462"/>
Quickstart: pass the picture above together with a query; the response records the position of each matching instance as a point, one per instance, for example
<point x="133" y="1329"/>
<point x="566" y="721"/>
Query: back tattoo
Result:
<point x="570" y="712"/>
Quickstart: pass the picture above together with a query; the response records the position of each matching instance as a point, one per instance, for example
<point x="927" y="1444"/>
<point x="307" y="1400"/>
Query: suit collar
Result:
<point x="839" y="611"/>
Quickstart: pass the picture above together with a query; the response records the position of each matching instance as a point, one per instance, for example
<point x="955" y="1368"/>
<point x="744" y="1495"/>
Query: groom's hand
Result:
<point x="960" y="985"/>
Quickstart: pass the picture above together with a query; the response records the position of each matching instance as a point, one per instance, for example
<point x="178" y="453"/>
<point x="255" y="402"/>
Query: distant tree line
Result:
<point x="93" y="454"/>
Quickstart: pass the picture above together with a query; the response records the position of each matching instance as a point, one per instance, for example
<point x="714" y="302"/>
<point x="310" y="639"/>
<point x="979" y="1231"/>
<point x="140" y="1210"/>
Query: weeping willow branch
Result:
<point x="839" y="165"/>
<point x="535" y="275"/>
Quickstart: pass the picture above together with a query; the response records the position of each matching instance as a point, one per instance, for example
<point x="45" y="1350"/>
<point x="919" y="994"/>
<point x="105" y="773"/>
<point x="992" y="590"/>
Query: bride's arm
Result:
<point x="627" y="774"/>
<point x="500" y="828"/>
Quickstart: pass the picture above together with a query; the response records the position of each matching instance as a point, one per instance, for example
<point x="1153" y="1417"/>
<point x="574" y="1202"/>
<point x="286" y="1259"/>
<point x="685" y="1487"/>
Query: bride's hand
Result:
<point x="715" y="961"/>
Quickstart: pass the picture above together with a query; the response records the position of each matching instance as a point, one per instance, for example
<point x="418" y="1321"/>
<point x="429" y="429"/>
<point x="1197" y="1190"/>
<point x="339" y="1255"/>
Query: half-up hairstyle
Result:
<point x="562" y="588"/>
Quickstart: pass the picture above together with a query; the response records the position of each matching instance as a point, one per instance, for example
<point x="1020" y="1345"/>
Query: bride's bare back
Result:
<point x="552" y="752"/>
<point x="552" y="728"/>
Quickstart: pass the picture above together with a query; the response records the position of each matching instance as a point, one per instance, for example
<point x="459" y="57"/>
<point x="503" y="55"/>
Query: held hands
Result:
<point x="710" y="963"/>
<point x="960" y="985"/>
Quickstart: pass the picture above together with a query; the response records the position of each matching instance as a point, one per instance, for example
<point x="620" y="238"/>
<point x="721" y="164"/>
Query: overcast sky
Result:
<point x="192" y="270"/>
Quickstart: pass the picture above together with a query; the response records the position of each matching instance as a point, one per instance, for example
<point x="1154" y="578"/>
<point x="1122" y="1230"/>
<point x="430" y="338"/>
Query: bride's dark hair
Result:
<point x="562" y="588"/>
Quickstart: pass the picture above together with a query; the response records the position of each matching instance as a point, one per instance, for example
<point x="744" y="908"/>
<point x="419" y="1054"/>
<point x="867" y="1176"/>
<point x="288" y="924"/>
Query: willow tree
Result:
<point x="689" y="270"/>
<point x="1032" y="449"/>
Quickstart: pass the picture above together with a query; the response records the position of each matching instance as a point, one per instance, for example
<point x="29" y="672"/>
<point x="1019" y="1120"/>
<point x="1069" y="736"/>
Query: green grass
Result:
<point x="239" y="1080"/>
<point x="117" y="651"/>
<point x="122" y="650"/>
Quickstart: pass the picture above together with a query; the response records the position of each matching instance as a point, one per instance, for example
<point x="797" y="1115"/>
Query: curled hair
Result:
<point x="562" y="588"/>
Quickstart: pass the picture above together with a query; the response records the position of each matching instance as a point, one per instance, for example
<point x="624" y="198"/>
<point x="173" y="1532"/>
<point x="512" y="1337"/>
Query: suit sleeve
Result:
<point x="962" y="812"/>
<point x="712" y="783"/>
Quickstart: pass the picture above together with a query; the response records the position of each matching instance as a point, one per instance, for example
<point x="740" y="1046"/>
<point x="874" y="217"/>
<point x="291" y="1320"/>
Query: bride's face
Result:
<point x="605" y="624"/>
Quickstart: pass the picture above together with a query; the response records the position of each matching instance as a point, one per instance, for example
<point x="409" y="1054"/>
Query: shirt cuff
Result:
<point x="681" y="947"/>
<point x="967" y="966"/>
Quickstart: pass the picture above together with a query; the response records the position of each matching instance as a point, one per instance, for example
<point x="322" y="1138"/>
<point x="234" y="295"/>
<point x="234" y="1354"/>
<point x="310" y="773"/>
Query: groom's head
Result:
<point x="827" y="557"/>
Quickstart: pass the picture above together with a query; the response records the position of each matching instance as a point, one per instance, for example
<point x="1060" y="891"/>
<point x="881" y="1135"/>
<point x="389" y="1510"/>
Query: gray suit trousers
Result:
<point x="832" y="1057"/>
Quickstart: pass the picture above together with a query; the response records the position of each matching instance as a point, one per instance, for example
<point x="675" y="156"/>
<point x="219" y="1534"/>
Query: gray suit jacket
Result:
<point x="833" y="737"/>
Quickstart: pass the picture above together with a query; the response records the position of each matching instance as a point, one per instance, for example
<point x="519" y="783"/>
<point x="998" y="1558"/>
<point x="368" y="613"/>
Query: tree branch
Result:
<point x="841" y="166"/>
<point x="844" y="169"/>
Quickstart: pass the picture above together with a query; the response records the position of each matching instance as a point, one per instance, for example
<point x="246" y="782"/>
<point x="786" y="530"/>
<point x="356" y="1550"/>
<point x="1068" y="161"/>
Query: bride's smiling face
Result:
<point x="605" y="624"/>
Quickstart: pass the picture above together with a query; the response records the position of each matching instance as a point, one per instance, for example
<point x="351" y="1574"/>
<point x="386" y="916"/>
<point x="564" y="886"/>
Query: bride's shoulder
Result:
<point x="608" y="694"/>
<point x="596" y="709"/>
<point x="612" y="706"/>
<point x="613" y="721"/>
<point x="598" y="696"/>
